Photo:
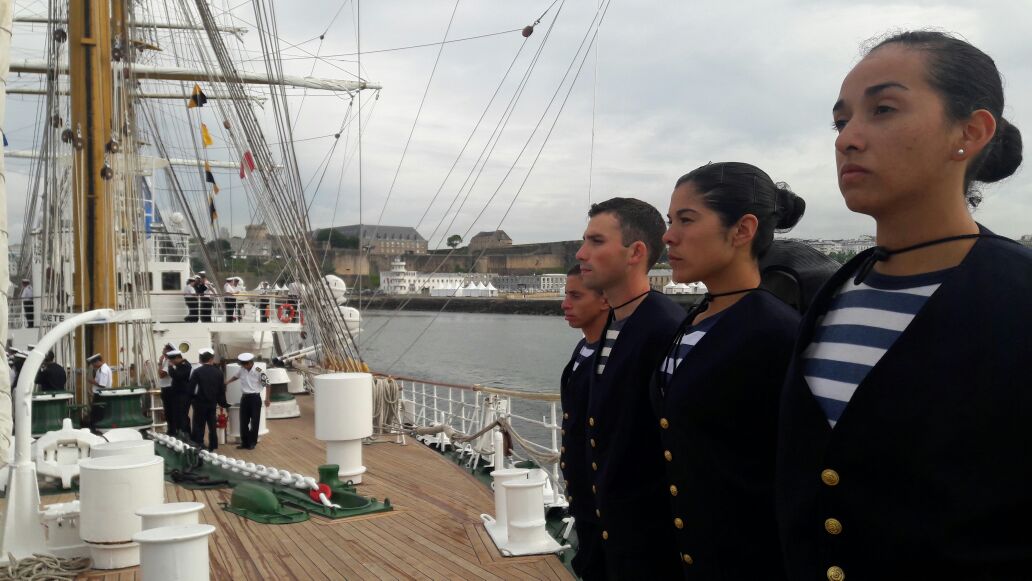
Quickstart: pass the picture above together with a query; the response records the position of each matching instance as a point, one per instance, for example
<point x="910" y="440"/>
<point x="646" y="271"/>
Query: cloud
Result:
<point x="678" y="85"/>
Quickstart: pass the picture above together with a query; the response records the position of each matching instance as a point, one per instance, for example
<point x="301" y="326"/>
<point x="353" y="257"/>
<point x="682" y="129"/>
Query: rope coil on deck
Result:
<point x="41" y="567"/>
<point x="543" y="456"/>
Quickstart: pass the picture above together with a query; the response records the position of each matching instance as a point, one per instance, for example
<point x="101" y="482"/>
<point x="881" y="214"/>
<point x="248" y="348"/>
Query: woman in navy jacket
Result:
<point x="716" y="394"/>
<point x="906" y="422"/>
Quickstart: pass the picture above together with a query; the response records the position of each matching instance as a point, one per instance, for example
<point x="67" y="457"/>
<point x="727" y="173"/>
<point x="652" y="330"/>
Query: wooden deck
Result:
<point x="434" y="531"/>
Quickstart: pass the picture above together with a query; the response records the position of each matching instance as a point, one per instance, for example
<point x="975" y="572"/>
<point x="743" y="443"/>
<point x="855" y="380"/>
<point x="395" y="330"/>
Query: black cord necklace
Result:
<point x="882" y="254"/>
<point x="622" y="305"/>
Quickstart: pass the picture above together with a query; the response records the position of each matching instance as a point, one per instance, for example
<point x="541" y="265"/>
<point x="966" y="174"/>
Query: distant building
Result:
<point x="1026" y="240"/>
<point x="659" y="277"/>
<point x="496" y="239"/>
<point x="392" y="240"/>
<point x="401" y="281"/>
<point x="553" y="282"/>
<point x="256" y="242"/>
<point x="518" y="283"/>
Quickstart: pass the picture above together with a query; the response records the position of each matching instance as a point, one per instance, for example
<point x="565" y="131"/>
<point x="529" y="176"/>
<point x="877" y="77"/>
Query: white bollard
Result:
<point x="524" y="505"/>
<point x="498" y="526"/>
<point x="170" y="514"/>
<point x="498" y="442"/>
<point x="175" y="553"/>
<point x="141" y="448"/>
<point x="343" y="417"/>
<point x="111" y="490"/>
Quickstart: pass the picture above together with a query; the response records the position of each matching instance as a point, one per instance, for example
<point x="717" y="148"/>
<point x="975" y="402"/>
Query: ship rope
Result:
<point x="41" y="567"/>
<point x="540" y="454"/>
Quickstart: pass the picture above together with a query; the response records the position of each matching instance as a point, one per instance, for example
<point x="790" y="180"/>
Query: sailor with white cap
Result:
<point x="101" y="380"/>
<point x="253" y="383"/>
<point x="28" y="307"/>
<point x="190" y="296"/>
<point x="179" y="420"/>
<point x="231" y="290"/>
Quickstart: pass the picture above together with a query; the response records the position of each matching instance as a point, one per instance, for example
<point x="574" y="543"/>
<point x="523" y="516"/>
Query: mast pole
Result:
<point x="89" y="49"/>
<point x="6" y="13"/>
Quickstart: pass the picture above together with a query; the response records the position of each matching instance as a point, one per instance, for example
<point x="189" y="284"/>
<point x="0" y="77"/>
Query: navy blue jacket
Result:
<point x="589" y="562"/>
<point x="928" y="472"/>
<point x="180" y="374"/>
<point x="719" y="444"/>
<point x="623" y="436"/>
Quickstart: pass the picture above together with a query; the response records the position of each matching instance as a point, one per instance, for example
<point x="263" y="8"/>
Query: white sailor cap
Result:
<point x="25" y="280"/>
<point x="206" y="350"/>
<point x="245" y="357"/>
<point x="93" y="358"/>
<point x="175" y="353"/>
<point x="20" y="355"/>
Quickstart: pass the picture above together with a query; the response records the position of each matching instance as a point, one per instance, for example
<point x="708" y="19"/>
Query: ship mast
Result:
<point x="90" y="62"/>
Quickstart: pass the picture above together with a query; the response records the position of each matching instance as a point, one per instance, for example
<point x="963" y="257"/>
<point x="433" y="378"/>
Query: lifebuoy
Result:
<point x="285" y="313"/>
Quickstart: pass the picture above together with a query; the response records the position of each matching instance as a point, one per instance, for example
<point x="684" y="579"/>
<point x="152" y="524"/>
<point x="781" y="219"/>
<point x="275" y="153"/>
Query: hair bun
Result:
<point x="790" y="207"/>
<point x="1004" y="154"/>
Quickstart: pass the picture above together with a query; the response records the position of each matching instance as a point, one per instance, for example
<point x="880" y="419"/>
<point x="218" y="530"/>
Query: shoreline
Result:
<point x="497" y="306"/>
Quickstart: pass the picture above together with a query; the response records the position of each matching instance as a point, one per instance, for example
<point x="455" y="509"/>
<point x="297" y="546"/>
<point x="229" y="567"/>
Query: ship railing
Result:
<point x="530" y="420"/>
<point x="172" y="307"/>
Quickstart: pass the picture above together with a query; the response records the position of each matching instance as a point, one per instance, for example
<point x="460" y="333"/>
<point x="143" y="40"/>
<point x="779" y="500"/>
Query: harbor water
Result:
<point x="524" y="352"/>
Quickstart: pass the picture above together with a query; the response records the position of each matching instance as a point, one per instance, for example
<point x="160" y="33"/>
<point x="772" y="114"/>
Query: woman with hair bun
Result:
<point x="716" y="394"/>
<point x="905" y="446"/>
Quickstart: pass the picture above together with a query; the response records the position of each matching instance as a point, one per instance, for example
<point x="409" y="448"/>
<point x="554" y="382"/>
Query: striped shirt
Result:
<point x="862" y="323"/>
<point x="612" y="332"/>
<point x="689" y="340"/>
<point x="584" y="353"/>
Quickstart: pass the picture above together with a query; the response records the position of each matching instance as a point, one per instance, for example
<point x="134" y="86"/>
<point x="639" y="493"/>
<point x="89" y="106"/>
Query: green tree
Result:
<point x="454" y="240"/>
<point x="335" y="239"/>
<point x="842" y="257"/>
<point x="220" y="248"/>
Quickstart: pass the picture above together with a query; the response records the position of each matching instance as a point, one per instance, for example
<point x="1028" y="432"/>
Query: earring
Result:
<point x="960" y="151"/>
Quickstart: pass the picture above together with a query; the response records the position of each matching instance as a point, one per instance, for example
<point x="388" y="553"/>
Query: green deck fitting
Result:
<point x="329" y="474"/>
<point x="122" y="410"/>
<point x="48" y="412"/>
<point x="258" y="503"/>
<point x="351" y="504"/>
<point x="280" y="393"/>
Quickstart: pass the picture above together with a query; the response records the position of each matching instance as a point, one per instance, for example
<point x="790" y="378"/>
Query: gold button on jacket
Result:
<point x="669" y="457"/>
<point x="663" y="423"/>
<point x="679" y="523"/>
<point x="836" y="574"/>
<point x="594" y="466"/>
<point x="593" y="442"/>
<point x="833" y="526"/>
<point x="605" y="535"/>
<point x="566" y="416"/>
<point x="591" y="421"/>
<point x="829" y="477"/>
<point x="673" y="490"/>
<point x="687" y="559"/>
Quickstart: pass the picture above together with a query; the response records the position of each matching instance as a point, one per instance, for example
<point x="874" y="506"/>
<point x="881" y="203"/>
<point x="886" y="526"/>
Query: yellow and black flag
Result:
<point x="212" y="213"/>
<point x="205" y="136"/>
<point x="210" y="177"/>
<point x="197" y="99"/>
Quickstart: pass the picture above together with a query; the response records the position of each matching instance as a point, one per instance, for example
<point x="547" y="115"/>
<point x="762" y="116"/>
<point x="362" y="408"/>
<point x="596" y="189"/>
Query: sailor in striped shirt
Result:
<point x="861" y="323"/>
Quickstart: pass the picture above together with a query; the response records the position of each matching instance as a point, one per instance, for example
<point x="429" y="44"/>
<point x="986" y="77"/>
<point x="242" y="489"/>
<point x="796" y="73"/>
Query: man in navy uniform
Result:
<point x="623" y="240"/>
<point x="587" y="310"/>
<point x="179" y="369"/>
<point x="209" y="390"/>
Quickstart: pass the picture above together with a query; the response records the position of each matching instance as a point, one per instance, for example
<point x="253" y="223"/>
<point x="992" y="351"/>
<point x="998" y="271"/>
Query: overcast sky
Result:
<point x="678" y="84"/>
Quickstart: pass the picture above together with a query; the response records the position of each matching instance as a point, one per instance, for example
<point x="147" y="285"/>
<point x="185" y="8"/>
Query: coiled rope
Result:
<point x="41" y="567"/>
<point x="386" y="400"/>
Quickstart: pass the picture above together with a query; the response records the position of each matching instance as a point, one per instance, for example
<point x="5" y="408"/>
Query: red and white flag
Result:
<point x="246" y="164"/>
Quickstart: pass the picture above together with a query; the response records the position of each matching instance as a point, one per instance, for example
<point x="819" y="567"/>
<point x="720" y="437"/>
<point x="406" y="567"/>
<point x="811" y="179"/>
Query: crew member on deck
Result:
<point x="190" y="296"/>
<point x="252" y="385"/>
<point x="230" y="290"/>
<point x="28" y="306"/>
<point x="716" y="393"/>
<point x="102" y="379"/>
<point x="51" y="377"/>
<point x="179" y="370"/>
<point x="622" y="242"/>
<point x="205" y="296"/>
<point x="264" y="292"/>
<point x="587" y="310"/>
<point x="905" y="441"/>
<point x="165" y="383"/>
<point x="208" y="387"/>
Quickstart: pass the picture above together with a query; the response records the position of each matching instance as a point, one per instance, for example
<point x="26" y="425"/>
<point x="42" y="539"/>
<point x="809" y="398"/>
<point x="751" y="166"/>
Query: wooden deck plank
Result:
<point x="434" y="532"/>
